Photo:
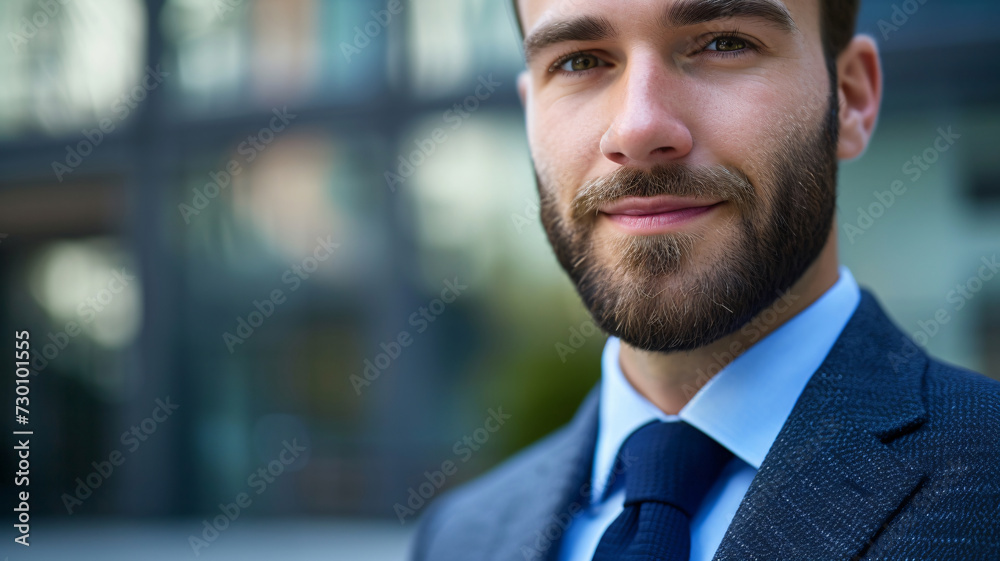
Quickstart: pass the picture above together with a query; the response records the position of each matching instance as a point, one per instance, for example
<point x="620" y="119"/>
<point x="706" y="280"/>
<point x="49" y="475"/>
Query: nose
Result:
<point x="647" y="128"/>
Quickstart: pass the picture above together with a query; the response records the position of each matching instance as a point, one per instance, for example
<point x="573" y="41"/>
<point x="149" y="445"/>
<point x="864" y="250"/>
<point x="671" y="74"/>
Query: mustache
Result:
<point x="710" y="182"/>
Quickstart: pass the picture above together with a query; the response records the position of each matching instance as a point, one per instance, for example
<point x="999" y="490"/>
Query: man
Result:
<point x="754" y="402"/>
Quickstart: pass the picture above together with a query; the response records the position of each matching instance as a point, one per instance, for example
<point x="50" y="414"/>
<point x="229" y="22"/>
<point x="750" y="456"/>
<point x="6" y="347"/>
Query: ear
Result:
<point x="859" y="92"/>
<point x="522" y="87"/>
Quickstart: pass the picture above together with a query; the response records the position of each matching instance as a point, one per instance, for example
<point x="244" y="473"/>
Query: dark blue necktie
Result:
<point x="669" y="468"/>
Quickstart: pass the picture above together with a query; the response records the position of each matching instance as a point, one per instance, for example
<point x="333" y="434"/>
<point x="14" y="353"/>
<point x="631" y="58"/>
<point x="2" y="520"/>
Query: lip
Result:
<point x="652" y="215"/>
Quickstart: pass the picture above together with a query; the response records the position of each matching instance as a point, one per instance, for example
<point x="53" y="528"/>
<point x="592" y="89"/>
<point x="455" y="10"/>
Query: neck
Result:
<point x="669" y="380"/>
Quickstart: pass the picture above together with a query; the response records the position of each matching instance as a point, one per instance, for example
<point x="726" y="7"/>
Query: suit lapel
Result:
<point x="831" y="479"/>
<point x="533" y="525"/>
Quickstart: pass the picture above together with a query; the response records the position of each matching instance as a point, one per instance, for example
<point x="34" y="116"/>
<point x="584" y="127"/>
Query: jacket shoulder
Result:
<point x="498" y="481"/>
<point x="466" y="519"/>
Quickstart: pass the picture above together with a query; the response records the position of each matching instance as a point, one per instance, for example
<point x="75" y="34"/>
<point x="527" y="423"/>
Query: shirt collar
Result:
<point x="744" y="406"/>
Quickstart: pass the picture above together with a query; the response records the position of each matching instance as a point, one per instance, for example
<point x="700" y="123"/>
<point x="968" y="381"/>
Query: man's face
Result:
<point x="685" y="152"/>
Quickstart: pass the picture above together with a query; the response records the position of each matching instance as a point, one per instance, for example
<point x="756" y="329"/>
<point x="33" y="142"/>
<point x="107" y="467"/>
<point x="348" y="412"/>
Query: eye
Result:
<point x="729" y="44"/>
<point x="577" y="62"/>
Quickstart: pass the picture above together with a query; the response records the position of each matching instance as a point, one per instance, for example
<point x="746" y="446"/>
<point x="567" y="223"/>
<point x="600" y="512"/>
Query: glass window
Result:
<point x="69" y="65"/>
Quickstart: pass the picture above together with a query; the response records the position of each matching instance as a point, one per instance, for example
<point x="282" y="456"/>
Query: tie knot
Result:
<point x="672" y="463"/>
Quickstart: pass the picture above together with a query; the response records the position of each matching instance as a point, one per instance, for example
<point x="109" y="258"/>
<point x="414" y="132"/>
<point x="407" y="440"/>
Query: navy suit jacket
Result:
<point x="887" y="454"/>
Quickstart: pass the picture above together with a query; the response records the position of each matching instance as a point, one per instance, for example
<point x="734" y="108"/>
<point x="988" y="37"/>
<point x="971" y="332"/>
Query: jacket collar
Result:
<point x="832" y="478"/>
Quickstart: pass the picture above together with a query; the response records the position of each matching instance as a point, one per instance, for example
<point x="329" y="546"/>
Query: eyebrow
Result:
<point x="583" y="28"/>
<point x="693" y="12"/>
<point x="679" y="14"/>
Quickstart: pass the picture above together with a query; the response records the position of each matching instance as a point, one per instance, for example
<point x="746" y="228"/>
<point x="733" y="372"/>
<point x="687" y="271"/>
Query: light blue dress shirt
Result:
<point x="743" y="408"/>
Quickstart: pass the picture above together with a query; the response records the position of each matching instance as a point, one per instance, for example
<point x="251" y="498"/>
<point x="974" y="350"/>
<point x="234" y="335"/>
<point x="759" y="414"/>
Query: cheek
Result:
<point x="565" y="143"/>
<point x="739" y="121"/>
<point x="749" y="125"/>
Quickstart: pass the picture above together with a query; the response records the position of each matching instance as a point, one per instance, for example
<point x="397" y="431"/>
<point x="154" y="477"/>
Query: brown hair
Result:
<point x="837" y="20"/>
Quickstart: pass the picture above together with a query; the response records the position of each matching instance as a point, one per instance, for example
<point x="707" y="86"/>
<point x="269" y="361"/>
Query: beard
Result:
<point x="656" y="292"/>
